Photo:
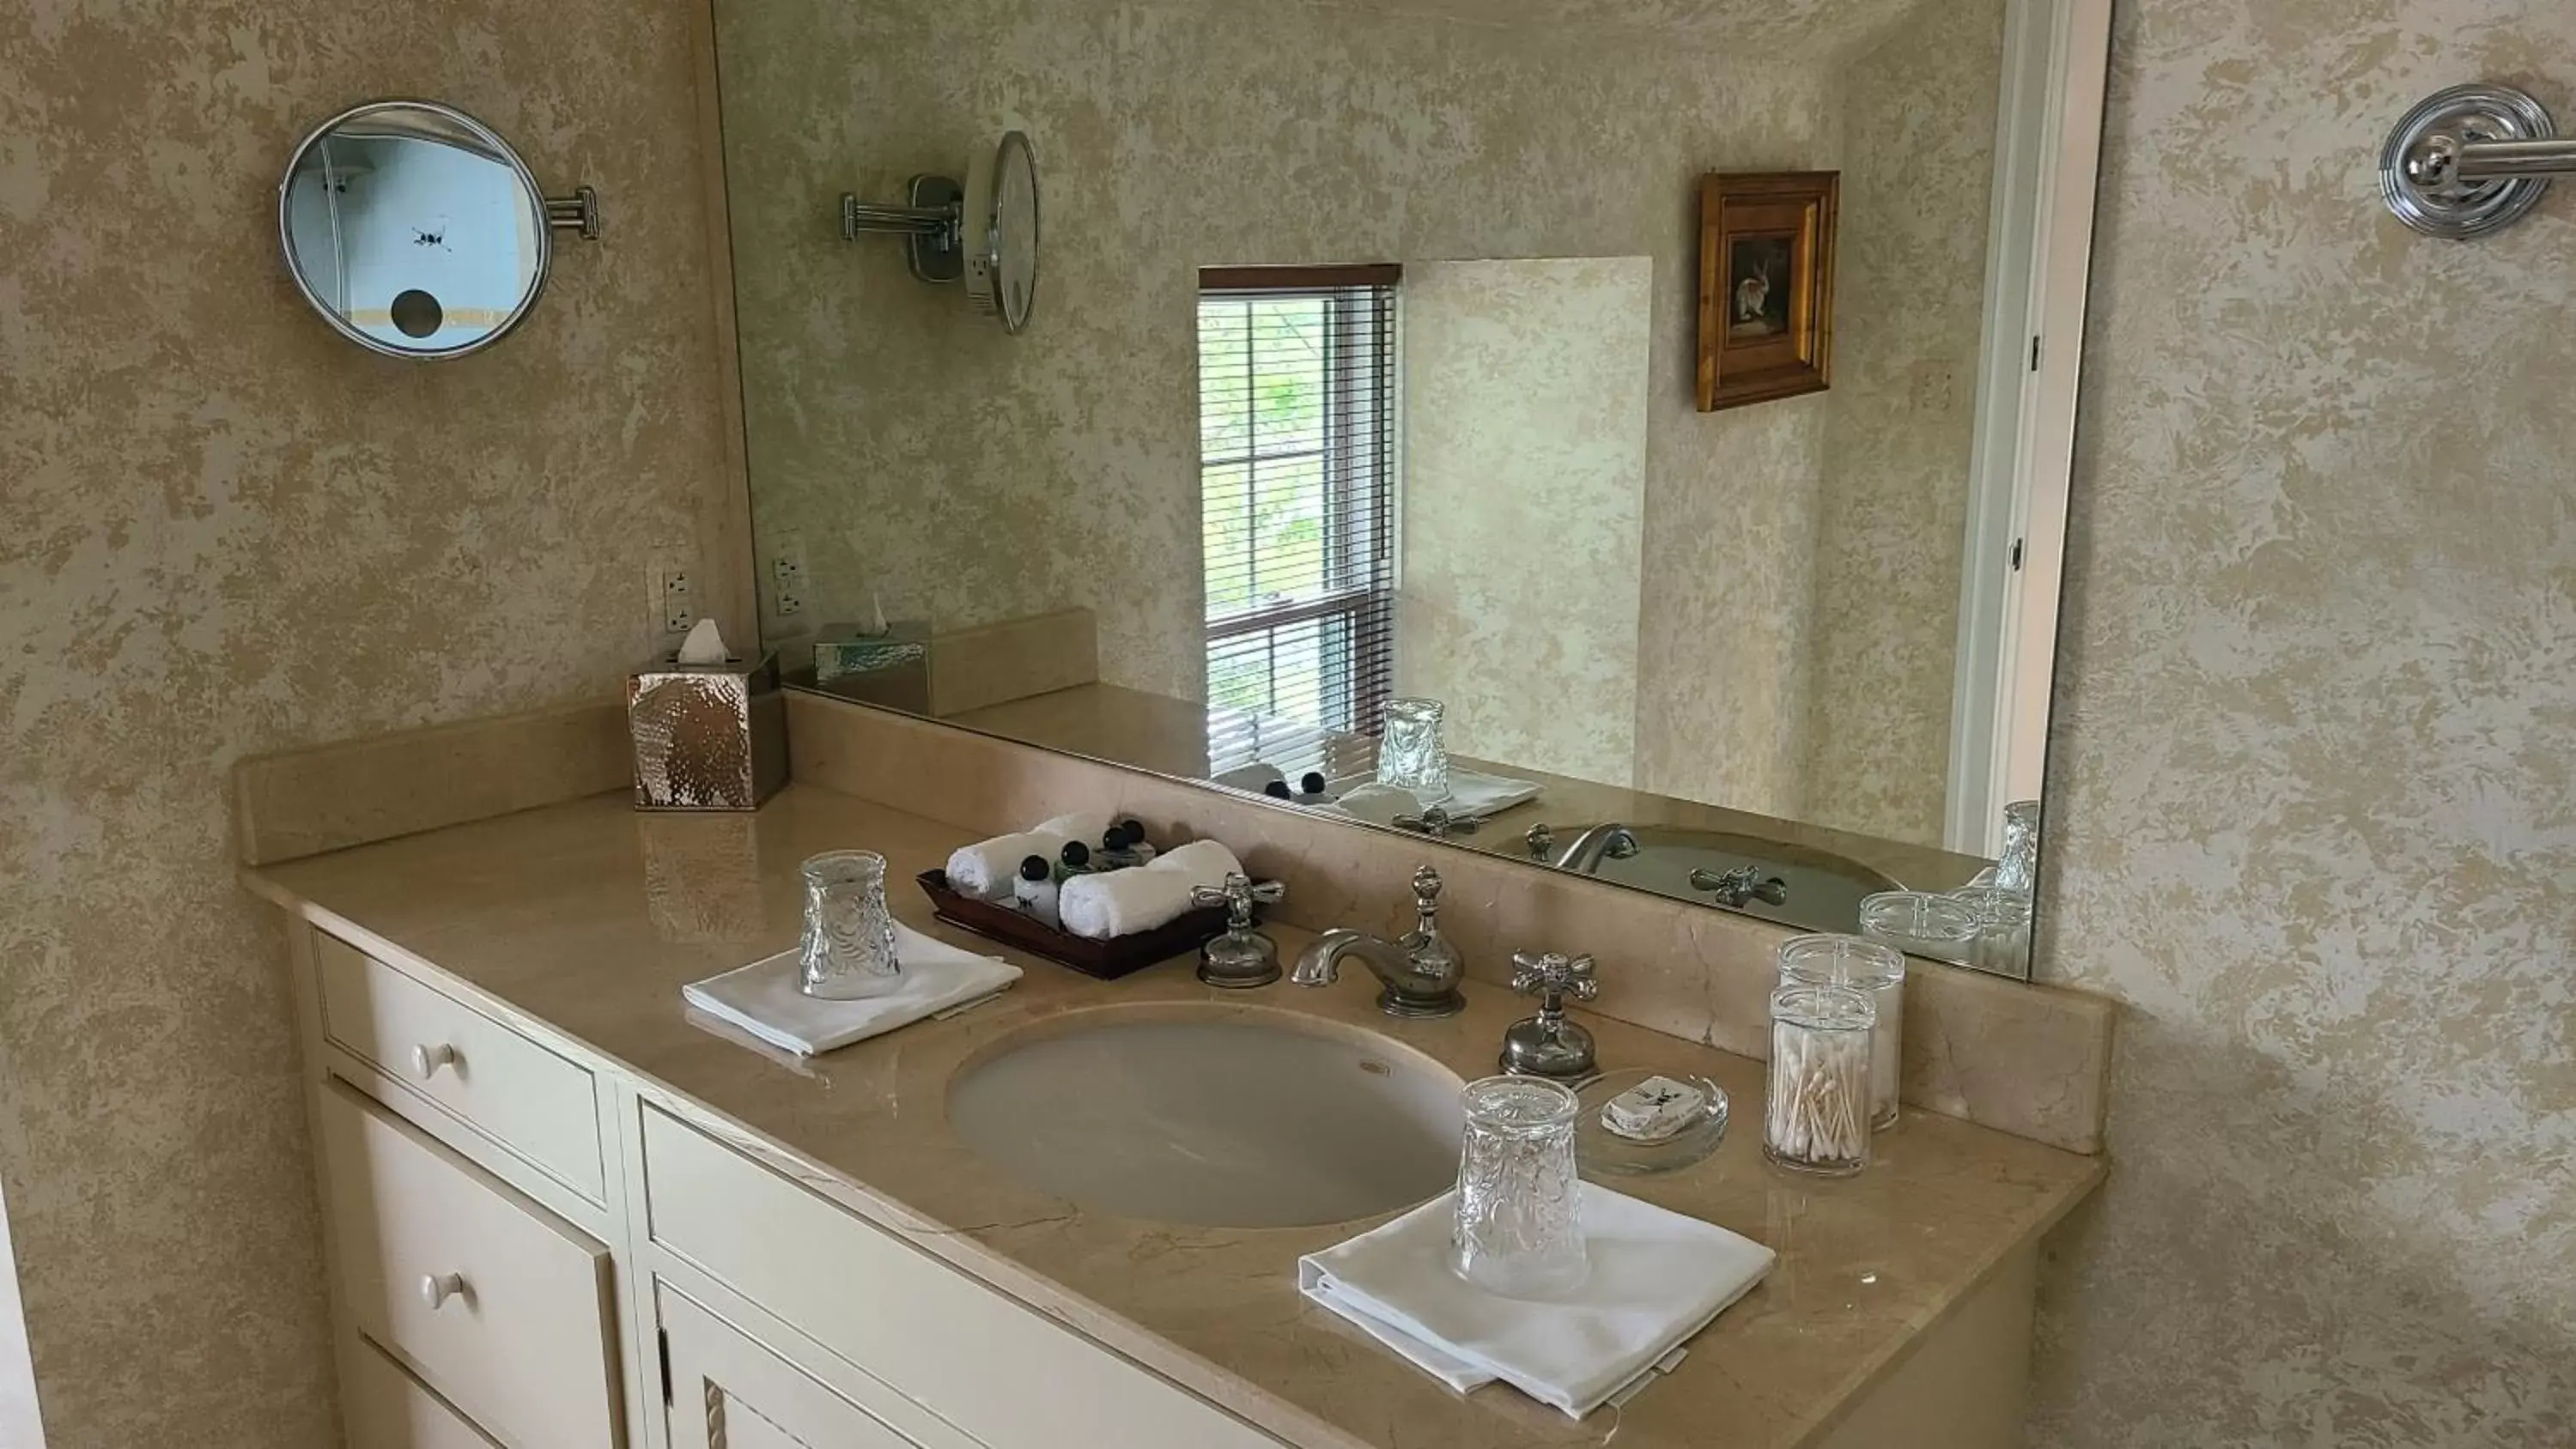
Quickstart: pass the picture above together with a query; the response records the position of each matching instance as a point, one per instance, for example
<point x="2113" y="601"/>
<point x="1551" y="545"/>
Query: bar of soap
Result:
<point x="1653" y="1110"/>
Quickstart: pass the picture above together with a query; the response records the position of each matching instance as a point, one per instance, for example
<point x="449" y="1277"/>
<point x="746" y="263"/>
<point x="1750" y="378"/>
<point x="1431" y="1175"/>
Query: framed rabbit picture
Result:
<point x="1766" y="285"/>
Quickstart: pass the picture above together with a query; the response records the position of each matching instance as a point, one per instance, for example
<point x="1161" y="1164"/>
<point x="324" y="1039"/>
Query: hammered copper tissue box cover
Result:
<point x="707" y="736"/>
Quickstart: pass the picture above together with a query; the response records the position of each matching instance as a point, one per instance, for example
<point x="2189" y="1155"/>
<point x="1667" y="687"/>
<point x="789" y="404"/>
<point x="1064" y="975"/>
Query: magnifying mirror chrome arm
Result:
<point x="577" y="213"/>
<point x="859" y="218"/>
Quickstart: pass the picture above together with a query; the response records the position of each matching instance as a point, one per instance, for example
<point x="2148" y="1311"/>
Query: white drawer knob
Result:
<point x="426" y="1060"/>
<point x="437" y="1288"/>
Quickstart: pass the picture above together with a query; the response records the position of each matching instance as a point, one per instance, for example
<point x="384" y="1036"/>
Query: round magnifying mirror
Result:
<point x="413" y="229"/>
<point x="1001" y="225"/>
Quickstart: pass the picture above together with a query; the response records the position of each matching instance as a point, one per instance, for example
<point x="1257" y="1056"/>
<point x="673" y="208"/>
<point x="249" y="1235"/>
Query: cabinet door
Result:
<point x="730" y="1392"/>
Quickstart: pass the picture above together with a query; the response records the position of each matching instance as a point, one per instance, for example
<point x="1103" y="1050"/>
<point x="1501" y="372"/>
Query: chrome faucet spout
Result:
<point x="1419" y="974"/>
<point x="1320" y="964"/>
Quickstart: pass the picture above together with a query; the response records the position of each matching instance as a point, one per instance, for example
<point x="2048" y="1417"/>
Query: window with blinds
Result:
<point x="1297" y="490"/>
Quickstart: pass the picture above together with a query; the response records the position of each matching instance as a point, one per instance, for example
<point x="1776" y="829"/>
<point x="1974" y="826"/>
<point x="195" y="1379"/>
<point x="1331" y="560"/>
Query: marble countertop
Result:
<point x="585" y="919"/>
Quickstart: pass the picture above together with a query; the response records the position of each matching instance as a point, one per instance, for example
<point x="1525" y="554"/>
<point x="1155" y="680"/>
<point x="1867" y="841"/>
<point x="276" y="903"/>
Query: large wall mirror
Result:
<point x="1360" y="404"/>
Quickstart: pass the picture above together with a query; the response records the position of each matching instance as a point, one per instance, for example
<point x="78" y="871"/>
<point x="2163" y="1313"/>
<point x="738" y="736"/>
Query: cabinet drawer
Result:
<point x="386" y="1408"/>
<point x="530" y="1100"/>
<point x="503" y="1307"/>
<point x="921" y="1327"/>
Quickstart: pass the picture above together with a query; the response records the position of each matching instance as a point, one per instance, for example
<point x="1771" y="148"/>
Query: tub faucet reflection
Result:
<point x="1602" y="842"/>
<point x="1420" y="973"/>
<point x="1733" y="888"/>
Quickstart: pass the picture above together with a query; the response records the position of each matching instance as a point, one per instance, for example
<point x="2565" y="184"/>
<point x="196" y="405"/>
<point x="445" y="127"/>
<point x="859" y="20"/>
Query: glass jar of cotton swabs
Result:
<point x="1816" y="1114"/>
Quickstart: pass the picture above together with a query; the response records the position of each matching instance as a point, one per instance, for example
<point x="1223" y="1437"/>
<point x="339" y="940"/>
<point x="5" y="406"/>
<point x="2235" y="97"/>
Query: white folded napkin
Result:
<point x="1473" y="794"/>
<point x="1657" y="1279"/>
<point x="1379" y="804"/>
<point x="984" y="871"/>
<point x="1140" y="898"/>
<point x="763" y="999"/>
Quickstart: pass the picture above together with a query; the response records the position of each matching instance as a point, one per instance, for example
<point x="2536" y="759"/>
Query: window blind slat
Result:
<point x="1297" y="480"/>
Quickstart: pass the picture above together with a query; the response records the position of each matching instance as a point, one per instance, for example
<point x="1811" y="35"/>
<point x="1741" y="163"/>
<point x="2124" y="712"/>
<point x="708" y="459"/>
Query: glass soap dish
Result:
<point x="1601" y="1150"/>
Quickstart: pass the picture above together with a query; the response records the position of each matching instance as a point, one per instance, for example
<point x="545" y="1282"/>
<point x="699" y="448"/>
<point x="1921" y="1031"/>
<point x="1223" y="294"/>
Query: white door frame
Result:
<point x="2039" y="253"/>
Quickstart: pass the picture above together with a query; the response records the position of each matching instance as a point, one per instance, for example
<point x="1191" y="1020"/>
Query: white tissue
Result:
<point x="1124" y="902"/>
<point x="705" y="645"/>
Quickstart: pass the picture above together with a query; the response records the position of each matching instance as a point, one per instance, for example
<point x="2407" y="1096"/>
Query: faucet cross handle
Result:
<point x="1553" y="976"/>
<point x="1548" y="1044"/>
<point x="1238" y="895"/>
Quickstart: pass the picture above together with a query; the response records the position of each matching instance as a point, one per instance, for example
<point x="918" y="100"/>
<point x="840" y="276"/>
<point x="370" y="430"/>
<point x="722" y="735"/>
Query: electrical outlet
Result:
<point x="787" y="578"/>
<point x="679" y="595"/>
<point x="1933" y="387"/>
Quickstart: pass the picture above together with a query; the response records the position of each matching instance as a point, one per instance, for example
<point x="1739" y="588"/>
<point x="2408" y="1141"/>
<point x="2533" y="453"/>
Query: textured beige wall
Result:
<point x="223" y="529"/>
<point x="1524" y="506"/>
<point x="1917" y="118"/>
<point x="974" y="476"/>
<point x="2311" y="804"/>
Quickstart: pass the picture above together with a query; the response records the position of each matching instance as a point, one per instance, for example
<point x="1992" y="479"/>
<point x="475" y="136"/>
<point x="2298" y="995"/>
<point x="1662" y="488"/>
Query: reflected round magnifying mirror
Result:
<point x="1001" y="225"/>
<point x="416" y="231"/>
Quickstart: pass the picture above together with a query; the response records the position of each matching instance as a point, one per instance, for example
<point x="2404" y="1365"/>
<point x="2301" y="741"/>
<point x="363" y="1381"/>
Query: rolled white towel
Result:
<point x="1380" y="804"/>
<point x="1251" y="777"/>
<point x="1124" y="902"/>
<point x="984" y="870"/>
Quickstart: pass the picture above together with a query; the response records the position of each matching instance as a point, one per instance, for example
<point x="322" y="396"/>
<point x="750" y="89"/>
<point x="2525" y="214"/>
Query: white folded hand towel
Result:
<point x="986" y="869"/>
<point x="1124" y="902"/>
<point x="1657" y="1279"/>
<point x="1252" y="777"/>
<point x="764" y="999"/>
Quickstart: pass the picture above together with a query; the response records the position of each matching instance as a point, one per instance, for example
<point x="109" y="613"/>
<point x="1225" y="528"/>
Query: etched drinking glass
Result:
<point x="1520" y="1205"/>
<point x="1410" y="754"/>
<point x="848" y="951"/>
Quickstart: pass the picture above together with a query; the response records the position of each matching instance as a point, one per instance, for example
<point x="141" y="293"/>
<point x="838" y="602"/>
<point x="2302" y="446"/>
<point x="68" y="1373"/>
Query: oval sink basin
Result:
<point x="1212" y="1116"/>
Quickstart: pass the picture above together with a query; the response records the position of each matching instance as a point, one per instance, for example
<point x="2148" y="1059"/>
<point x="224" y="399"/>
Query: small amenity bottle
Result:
<point x="1076" y="860"/>
<point x="1137" y="844"/>
<point x="1115" y="852"/>
<point x="1036" y="892"/>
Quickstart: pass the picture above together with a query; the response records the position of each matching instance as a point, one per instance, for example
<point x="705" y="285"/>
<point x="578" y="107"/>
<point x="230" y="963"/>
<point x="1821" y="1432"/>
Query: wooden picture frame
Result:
<point x="1766" y="285"/>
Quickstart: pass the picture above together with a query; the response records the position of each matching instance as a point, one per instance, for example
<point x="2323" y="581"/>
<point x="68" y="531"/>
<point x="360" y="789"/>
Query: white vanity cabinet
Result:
<point x="731" y="1391"/>
<point x="532" y="1250"/>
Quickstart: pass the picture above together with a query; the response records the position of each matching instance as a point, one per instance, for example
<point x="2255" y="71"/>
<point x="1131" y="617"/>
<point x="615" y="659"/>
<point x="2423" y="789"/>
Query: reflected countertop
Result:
<point x="583" y="920"/>
<point x="1170" y="737"/>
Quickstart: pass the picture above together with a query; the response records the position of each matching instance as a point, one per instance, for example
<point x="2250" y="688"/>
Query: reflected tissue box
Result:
<point x="889" y="668"/>
<point x="707" y="736"/>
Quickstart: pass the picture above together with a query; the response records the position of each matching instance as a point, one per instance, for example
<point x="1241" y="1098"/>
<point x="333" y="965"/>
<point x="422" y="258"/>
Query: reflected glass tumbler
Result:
<point x="2018" y="869"/>
<point x="1410" y="754"/>
<point x="848" y="952"/>
<point x="1520" y="1219"/>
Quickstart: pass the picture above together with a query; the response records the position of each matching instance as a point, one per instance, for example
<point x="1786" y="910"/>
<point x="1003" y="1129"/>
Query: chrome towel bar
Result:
<point x="2471" y="160"/>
